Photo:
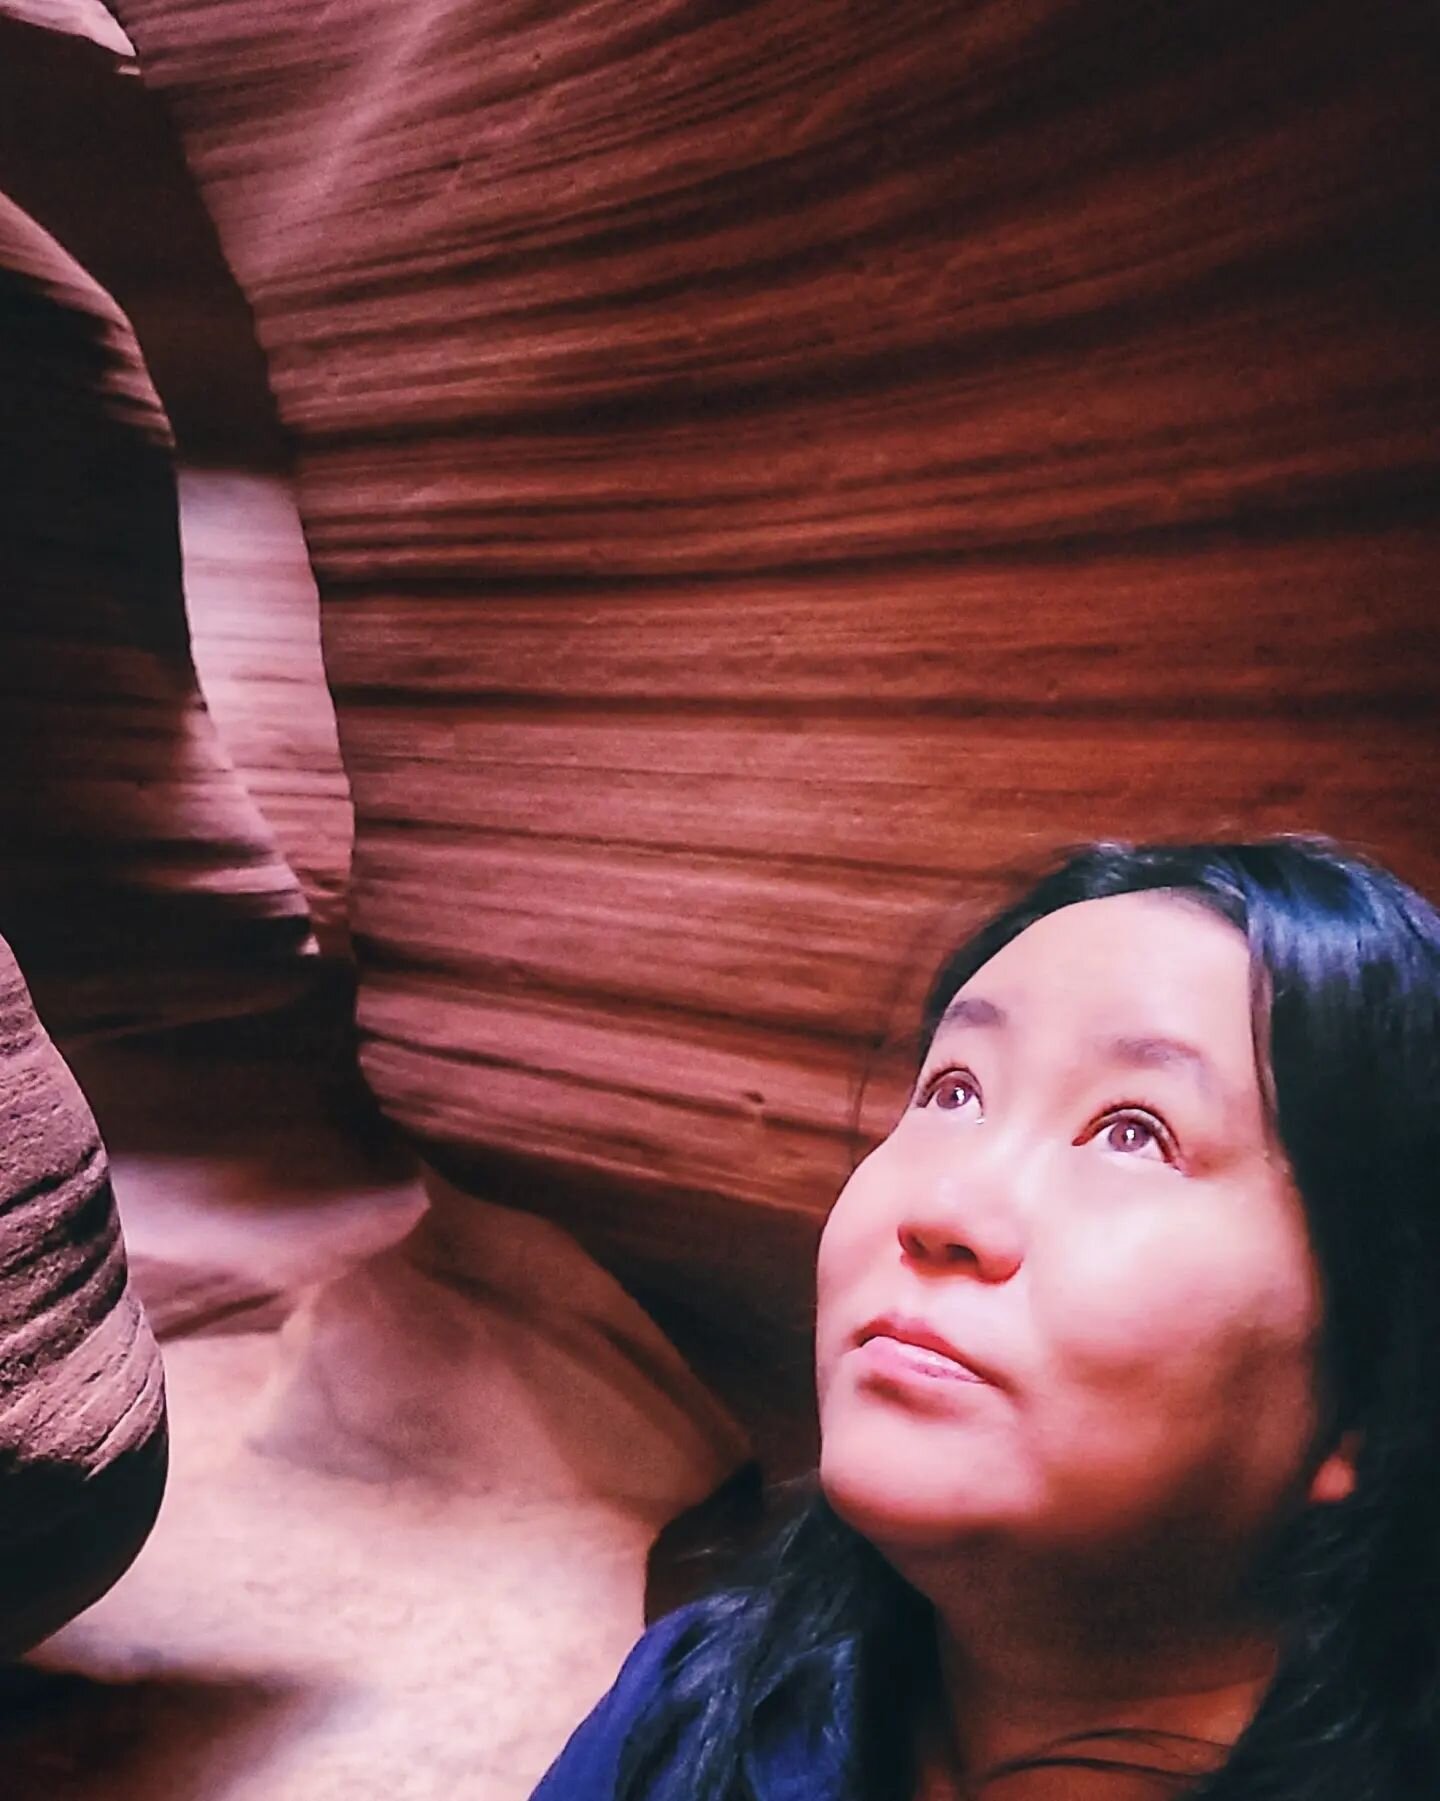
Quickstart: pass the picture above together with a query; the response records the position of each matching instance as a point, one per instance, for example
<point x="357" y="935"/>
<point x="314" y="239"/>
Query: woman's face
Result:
<point x="1083" y="1211"/>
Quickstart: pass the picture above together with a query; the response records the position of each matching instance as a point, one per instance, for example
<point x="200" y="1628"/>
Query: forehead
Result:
<point x="1131" y="965"/>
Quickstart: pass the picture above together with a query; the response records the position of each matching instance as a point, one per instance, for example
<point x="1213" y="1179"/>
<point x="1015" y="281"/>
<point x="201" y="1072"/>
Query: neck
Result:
<point x="1034" y="1654"/>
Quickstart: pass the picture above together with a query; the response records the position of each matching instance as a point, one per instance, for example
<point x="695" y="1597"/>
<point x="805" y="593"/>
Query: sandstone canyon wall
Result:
<point x="82" y="1409"/>
<point x="140" y="884"/>
<point x="139" y="880"/>
<point x="770" y="470"/>
<point x="184" y="804"/>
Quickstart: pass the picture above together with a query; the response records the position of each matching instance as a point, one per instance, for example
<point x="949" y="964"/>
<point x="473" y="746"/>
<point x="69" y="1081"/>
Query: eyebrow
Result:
<point x="1138" y="1050"/>
<point x="970" y="1010"/>
<point x="1147" y="1052"/>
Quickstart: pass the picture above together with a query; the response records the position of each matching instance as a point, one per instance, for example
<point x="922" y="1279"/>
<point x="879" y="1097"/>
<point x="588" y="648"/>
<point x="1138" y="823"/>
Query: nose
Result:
<point x="964" y="1222"/>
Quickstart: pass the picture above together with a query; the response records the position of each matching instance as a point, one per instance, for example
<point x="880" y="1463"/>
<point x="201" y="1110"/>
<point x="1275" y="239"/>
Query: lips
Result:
<point x="905" y="1344"/>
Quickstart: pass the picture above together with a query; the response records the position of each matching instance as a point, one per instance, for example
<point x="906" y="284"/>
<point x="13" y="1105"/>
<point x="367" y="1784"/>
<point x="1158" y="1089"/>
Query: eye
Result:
<point x="1130" y="1132"/>
<point x="952" y="1090"/>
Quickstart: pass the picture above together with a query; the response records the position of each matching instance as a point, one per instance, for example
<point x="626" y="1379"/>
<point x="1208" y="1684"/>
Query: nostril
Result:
<point x="936" y="1249"/>
<point x="932" y="1245"/>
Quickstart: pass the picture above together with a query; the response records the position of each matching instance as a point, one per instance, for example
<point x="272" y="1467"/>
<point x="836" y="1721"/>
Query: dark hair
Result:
<point x="822" y="1636"/>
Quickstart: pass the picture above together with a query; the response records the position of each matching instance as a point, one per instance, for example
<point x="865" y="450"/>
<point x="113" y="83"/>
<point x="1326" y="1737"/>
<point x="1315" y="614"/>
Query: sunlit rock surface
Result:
<point x="89" y="20"/>
<point x="255" y="640"/>
<point x="82" y="1406"/>
<point x="769" y="469"/>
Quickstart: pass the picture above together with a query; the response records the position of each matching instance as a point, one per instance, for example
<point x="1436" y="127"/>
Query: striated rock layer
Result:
<point x="82" y="1410"/>
<point x="772" y="469"/>
<point x="255" y="640"/>
<point x="138" y="880"/>
<point x="72" y="108"/>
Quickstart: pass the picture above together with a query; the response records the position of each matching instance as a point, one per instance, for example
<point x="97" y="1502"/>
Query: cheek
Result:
<point x="1176" y="1362"/>
<point x="1201" y="1302"/>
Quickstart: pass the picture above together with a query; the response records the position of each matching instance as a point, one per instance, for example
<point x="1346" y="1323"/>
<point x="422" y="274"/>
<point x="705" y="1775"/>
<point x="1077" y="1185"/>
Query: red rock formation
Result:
<point x="137" y="870"/>
<point x="255" y="641"/>
<point x="88" y="20"/>
<point x="769" y="467"/>
<point x="82" y="1411"/>
<point x="505" y="1419"/>
<point x="71" y="106"/>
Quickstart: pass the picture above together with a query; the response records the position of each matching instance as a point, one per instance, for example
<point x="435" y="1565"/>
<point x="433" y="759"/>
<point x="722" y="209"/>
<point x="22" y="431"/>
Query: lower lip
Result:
<point x="902" y="1362"/>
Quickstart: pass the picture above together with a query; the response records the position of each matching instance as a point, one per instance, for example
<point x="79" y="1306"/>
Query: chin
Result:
<point x="894" y="1506"/>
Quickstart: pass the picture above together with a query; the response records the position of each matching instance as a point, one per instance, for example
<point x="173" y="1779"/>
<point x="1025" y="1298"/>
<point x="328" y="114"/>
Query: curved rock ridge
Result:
<point x="139" y="882"/>
<point x="772" y="469"/>
<point x="70" y="105"/>
<point x="88" y="20"/>
<point x="82" y="1408"/>
<point x="487" y="1353"/>
<point x="255" y="642"/>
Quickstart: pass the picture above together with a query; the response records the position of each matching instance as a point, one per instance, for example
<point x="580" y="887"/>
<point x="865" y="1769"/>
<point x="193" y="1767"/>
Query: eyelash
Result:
<point x="928" y="1088"/>
<point x="1126" y="1112"/>
<point x="1118" y="1113"/>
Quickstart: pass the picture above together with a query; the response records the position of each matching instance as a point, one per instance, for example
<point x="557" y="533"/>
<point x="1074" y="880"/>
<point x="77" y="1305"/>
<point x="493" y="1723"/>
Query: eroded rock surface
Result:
<point x="255" y="641"/>
<point x="769" y="472"/>
<point x="87" y="152"/>
<point x="139" y="881"/>
<point x="82" y="1410"/>
<point x="769" y="469"/>
<point x="488" y="1354"/>
<point x="404" y="1544"/>
<point x="297" y="1635"/>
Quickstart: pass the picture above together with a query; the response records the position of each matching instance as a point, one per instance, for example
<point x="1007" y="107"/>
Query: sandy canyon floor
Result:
<point x="295" y="1633"/>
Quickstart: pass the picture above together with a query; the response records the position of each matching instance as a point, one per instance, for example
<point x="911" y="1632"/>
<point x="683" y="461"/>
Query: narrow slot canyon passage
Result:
<point x="555" y="563"/>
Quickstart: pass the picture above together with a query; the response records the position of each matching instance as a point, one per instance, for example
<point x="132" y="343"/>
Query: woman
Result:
<point x="1128" y="1355"/>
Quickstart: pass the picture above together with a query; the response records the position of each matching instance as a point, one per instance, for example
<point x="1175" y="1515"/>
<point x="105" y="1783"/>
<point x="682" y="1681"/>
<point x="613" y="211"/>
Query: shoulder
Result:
<point x="587" y="1769"/>
<point x="791" y="1753"/>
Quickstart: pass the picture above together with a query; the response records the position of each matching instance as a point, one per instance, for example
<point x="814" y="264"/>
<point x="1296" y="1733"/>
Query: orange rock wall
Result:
<point x="770" y="469"/>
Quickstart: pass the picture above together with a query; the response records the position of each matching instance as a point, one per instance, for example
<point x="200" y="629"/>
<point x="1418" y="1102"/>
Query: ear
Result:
<point x="1335" y="1478"/>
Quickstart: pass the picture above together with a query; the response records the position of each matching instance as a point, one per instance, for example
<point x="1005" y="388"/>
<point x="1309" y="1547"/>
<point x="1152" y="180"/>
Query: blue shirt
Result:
<point x="789" y="1767"/>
